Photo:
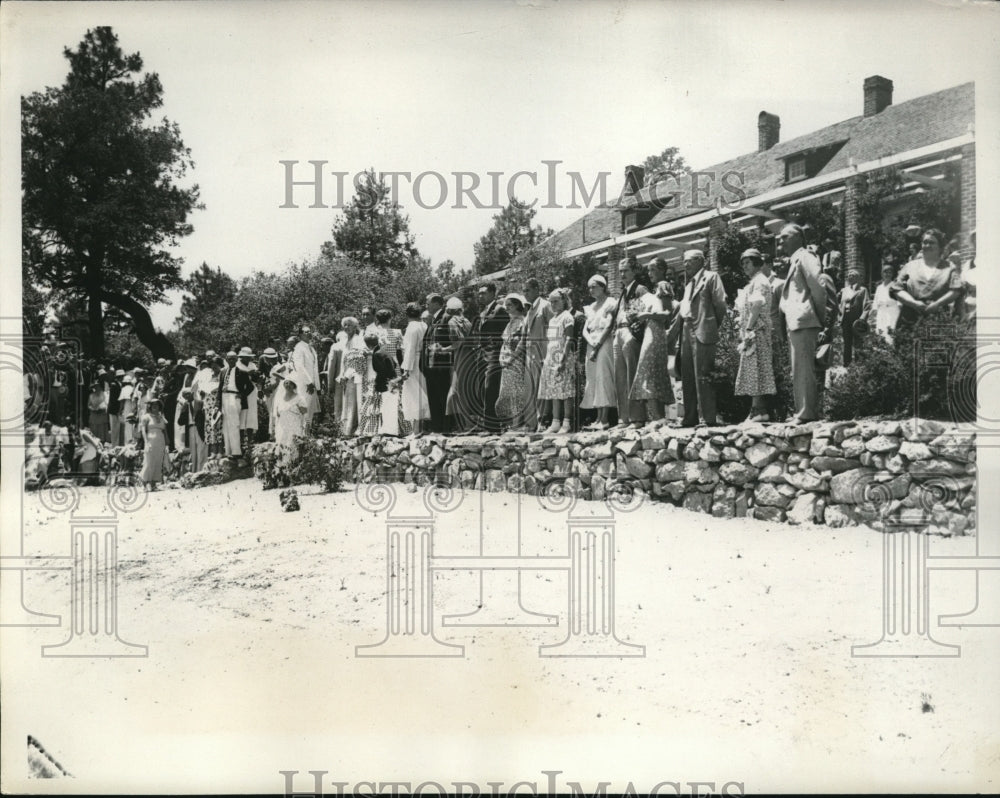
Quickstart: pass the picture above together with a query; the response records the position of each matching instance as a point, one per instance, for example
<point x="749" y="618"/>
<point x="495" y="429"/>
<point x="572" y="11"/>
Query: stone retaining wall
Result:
<point x="915" y="472"/>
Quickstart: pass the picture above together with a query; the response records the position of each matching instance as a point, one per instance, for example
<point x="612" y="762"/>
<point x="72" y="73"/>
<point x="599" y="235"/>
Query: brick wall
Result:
<point x="968" y="193"/>
<point x="852" y="252"/>
<point x="716" y="228"/>
<point x="615" y="254"/>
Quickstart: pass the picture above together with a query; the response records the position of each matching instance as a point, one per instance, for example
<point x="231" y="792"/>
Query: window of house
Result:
<point x="795" y="169"/>
<point x="631" y="220"/>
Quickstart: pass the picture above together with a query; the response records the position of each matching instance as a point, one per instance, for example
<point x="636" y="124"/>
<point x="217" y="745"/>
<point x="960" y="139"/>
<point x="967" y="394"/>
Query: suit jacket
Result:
<point x="244" y="385"/>
<point x="437" y="333"/>
<point x="487" y="331"/>
<point x="708" y="306"/>
<point x="803" y="296"/>
<point x="854" y="307"/>
<point x="534" y="332"/>
<point x="830" y="303"/>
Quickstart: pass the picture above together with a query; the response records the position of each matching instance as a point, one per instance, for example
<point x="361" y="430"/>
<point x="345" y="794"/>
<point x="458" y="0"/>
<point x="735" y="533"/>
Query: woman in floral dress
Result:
<point x="755" y="377"/>
<point x="558" y="372"/>
<point x="513" y="397"/>
<point x="652" y="372"/>
<point x="213" y="415"/>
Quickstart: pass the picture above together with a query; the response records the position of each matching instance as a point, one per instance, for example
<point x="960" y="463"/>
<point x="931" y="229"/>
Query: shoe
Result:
<point x="554" y="428"/>
<point x="541" y="428"/>
<point x="759" y="418"/>
<point x="565" y="428"/>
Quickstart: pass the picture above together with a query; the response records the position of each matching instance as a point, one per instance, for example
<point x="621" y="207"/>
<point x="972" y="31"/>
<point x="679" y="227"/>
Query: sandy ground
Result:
<point x="251" y="616"/>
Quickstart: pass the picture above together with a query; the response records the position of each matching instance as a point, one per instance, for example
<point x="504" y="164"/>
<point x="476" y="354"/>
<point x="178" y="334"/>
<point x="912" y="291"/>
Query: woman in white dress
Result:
<point x="599" y="389"/>
<point x="414" y="393"/>
<point x="290" y="412"/>
<point x="885" y="309"/>
<point x="352" y="373"/>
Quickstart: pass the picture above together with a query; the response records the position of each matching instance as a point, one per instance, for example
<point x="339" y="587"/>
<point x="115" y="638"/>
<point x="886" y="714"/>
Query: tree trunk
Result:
<point x="95" y="324"/>
<point x="148" y="335"/>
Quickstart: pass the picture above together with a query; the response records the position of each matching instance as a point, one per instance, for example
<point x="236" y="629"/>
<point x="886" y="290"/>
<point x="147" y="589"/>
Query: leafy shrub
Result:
<point x="927" y="371"/>
<point x="315" y="461"/>
<point x="269" y="466"/>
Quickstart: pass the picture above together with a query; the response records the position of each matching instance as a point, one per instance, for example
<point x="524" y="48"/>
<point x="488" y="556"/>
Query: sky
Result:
<point x="481" y="87"/>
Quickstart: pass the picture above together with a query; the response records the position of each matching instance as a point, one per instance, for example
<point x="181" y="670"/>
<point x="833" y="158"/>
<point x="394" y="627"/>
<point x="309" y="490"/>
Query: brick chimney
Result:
<point x="878" y="94"/>
<point x="634" y="177"/>
<point x="768" y="131"/>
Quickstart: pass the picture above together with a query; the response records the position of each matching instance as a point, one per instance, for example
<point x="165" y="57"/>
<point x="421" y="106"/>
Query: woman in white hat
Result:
<point x="599" y="389"/>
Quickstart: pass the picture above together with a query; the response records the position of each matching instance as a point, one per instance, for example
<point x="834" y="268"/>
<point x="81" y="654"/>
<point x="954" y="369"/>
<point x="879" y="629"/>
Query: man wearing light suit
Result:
<point x="803" y="304"/>
<point x="702" y="310"/>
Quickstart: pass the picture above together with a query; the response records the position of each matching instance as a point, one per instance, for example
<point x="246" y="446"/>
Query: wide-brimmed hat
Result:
<point x="210" y="354"/>
<point x="120" y="373"/>
<point x="162" y="361"/>
<point x="245" y="351"/>
<point x="190" y="363"/>
<point x="753" y="253"/>
<point x="231" y="353"/>
<point x="269" y="352"/>
<point x="454" y="303"/>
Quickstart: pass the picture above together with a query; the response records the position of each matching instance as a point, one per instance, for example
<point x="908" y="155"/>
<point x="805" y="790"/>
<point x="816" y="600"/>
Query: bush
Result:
<point x="935" y="379"/>
<point x="269" y="467"/>
<point x="315" y="461"/>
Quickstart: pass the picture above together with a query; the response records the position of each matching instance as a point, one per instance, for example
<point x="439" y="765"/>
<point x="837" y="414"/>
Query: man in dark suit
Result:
<point x="435" y="364"/>
<point x="703" y="307"/>
<point x="487" y="334"/>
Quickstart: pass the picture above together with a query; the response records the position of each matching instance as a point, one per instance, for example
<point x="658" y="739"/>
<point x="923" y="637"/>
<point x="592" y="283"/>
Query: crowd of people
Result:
<point x="527" y="361"/>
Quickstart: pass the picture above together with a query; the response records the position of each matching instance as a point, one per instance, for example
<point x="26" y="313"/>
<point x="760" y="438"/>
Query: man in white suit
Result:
<point x="803" y="304"/>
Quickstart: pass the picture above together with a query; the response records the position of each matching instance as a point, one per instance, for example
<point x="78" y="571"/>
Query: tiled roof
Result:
<point x="898" y="128"/>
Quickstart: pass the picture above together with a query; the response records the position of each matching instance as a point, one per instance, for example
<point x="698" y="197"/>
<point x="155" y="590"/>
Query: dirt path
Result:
<point x="251" y="616"/>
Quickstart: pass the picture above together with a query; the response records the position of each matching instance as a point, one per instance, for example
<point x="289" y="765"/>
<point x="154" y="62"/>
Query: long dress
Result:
<point x="303" y="363"/>
<point x="513" y="397"/>
<point x="352" y="374"/>
<point x="290" y="411"/>
<point x="755" y="376"/>
<point x="414" y="395"/>
<point x="213" y="415"/>
<point x="886" y="311"/>
<point x="154" y="452"/>
<point x="652" y="370"/>
<point x="558" y="383"/>
<point x="599" y="389"/>
<point x="459" y="402"/>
